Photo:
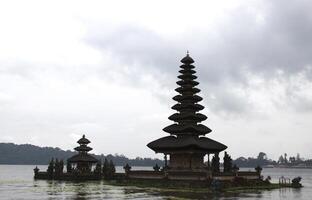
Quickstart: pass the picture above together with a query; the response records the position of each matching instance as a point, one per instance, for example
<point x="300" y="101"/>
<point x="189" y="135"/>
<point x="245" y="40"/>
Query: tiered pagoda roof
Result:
<point x="186" y="133"/>
<point x="83" y="150"/>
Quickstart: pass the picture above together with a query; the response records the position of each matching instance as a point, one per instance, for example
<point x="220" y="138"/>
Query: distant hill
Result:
<point x="27" y="154"/>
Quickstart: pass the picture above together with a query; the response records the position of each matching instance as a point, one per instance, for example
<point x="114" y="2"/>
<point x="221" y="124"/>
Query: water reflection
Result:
<point x="81" y="190"/>
<point x="16" y="182"/>
<point x="133" y="192"/>
<point x="101" y="190"/>
<point x="297" y="193"/>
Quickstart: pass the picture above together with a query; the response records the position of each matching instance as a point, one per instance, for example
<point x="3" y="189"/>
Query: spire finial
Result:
<point x="187" y="59"/>
<point x="83" y="136"/>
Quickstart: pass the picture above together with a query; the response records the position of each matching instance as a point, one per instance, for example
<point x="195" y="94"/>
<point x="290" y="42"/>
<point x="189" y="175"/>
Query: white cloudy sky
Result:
<point x="107" y="69"/>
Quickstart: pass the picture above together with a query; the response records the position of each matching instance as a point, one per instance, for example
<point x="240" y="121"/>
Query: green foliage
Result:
<point x="227" y="162"/>
<point x="112" y="168"/>
<point x="215" y="163"/>
<point x="69" y="167"/>
<point x="262" y="156"/>
<point x="108" y="169"/>
<point x="58" y="166"/>
<point x="50" y="169"/>
<point x="105" y="168"/>
<point x="98" y="168"/>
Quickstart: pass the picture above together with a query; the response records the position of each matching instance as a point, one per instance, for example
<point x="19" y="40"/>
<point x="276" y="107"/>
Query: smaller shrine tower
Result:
<point x="82" y="162"/>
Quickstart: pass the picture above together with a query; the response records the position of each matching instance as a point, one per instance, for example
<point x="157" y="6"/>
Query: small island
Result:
<point x="186" y="147"/>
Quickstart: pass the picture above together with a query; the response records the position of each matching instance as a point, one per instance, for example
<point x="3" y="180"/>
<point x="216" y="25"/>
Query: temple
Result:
<point x="187" y="144"/>
<point x="82" y="161"/>
<point x="81" y="166"/>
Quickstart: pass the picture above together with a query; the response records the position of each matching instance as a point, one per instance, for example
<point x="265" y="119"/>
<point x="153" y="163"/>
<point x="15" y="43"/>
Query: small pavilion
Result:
<point x="187" y="144"/>
<point x="82" y="162"/>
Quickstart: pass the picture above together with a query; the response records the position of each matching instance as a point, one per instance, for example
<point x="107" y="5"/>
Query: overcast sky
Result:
<point x="108" y="69"/>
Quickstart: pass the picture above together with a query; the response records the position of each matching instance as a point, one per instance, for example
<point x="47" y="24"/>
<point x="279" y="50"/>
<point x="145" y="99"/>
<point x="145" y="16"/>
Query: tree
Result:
<point x="227" y="162"/>
<point x="112" y="169"/>
<point x="57" y="167"/>
<point x="215" y="163"/>
<point x="51" y="168"/>
<point x="61" y="165"/>
<point x="281" y="160"/>
<point x="298" y="159"/>
<point x="98" y="169"/>
<point x="292" y="160"/>
<point x="105" y="168"/>
<point x="262" y="156"/>
<point x="69" y="167"/>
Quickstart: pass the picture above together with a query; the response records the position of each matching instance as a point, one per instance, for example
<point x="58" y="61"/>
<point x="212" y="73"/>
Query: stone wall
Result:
<point x="186" y="161"/>
<point x="146" y="174"/>
<point x="191" y="175"/>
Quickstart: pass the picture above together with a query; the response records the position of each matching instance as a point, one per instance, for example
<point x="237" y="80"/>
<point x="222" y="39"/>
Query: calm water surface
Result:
<point x="16" y="182"/>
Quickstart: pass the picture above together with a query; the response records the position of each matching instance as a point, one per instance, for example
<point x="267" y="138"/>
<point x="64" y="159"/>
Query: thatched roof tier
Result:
<point x="186" y="144"/>
<point x="187" y="77"/>
<point x="83" y="148"/>
<point x="187" y="83"/>
<point x="196" y="117"/>
<point x="187" y="71"/>
<point x="191" y="90"/>
<point x="187" y="129"/>
<point x="187" y="59"/>
<point x="83" y="140"/>
<point x="187" y="106"/>
<point x="82" y="158"/>
<point x="189" y="98"/>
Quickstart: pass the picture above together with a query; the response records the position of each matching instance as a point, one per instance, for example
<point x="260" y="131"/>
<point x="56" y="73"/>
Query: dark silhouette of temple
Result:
<point x="81" y="166"/>
<point x="186" y="144"/>
<point x="82" y="161"/>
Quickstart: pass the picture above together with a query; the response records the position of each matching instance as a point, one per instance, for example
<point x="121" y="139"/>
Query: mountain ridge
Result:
<point x="28" y="154"/>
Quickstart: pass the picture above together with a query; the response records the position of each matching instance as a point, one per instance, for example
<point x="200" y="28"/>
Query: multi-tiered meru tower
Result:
<point x="186" y="144"/>
<point x="83" y="161"/>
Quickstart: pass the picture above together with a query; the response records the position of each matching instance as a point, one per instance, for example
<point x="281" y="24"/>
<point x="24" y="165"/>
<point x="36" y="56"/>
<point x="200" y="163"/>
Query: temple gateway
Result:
<point x="187" y="145"/>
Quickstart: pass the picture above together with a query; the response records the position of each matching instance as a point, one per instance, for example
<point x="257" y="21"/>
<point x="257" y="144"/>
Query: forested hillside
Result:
<point x="28" y="154"/>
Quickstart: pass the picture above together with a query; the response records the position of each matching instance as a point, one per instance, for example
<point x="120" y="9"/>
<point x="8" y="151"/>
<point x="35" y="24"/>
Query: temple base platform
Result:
<point x="67" y="176"/>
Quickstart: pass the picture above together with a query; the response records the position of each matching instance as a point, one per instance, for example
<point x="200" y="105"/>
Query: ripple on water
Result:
<point x="16" y="182"/>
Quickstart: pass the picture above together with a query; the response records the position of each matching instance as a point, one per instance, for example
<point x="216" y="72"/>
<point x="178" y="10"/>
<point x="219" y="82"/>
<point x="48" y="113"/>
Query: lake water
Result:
<point x="16" y="182"/>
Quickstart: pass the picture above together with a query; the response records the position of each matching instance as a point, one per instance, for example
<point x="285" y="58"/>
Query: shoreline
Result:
<point x="196" y="189"/>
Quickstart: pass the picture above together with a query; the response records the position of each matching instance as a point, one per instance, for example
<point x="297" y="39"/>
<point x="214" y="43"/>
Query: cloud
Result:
<point x="109" y="71"/>
<point x="262" y="39"/>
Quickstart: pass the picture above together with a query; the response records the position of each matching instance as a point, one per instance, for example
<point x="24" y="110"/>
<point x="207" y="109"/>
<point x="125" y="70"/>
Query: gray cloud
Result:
<point x="273" y="38"/>
<point x="116" y="79"/>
